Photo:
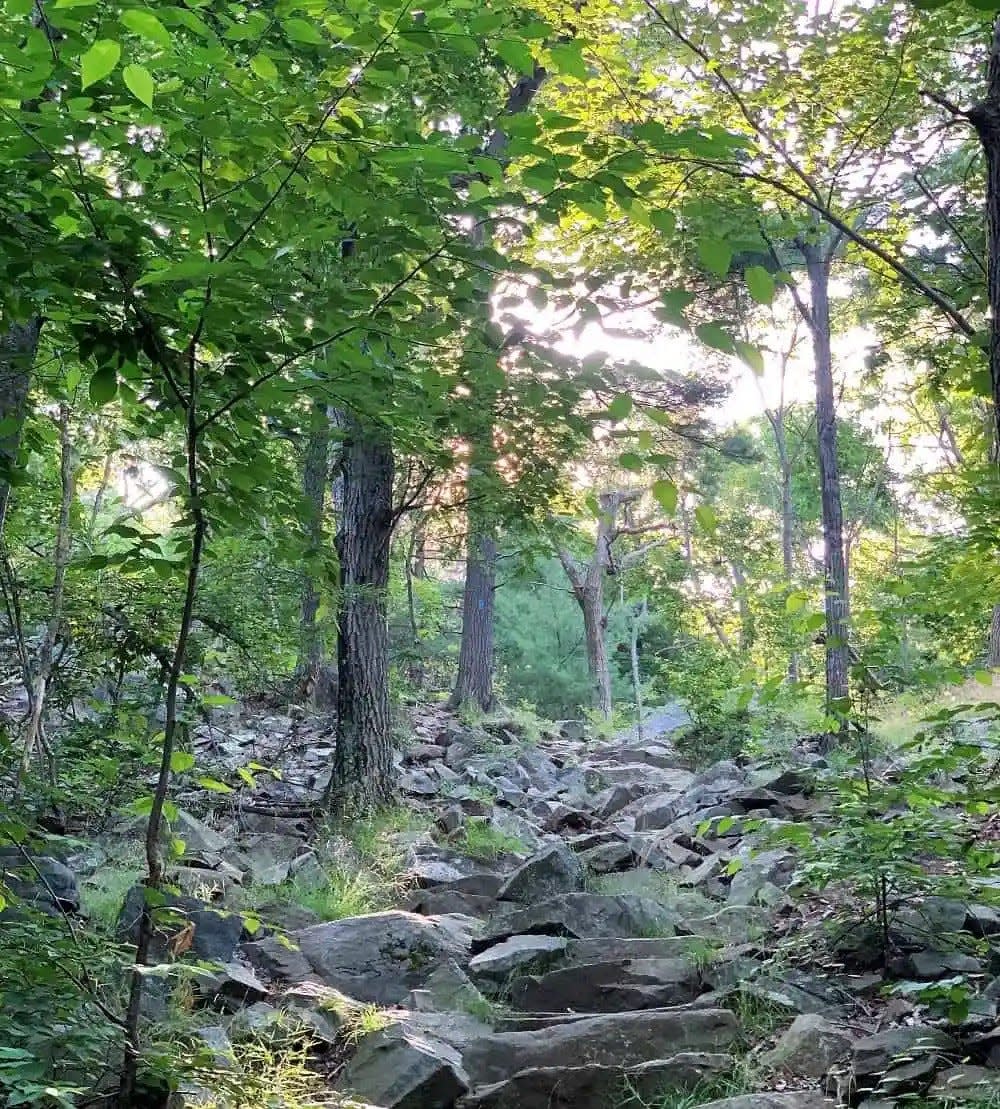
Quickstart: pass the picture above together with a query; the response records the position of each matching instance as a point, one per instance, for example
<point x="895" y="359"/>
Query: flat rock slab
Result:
<point x="609" y="987"/>
<point x="526" y="954"/>
<point x="582" y="916"/>
<point x="377" y="958"/>
<point x="614" y="1040"/>
<point x="788" y="1099"/>
<point x="810" y="1046"/>
<point x="596" y="1086"/>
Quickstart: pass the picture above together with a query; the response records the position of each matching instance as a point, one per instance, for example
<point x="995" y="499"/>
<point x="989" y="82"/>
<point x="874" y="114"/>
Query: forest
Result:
<point x="499" y="532"/>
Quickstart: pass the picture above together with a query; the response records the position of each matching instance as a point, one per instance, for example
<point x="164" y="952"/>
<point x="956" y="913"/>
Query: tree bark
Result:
<point x="993" y="650"/>
<point x="363" y="776"/>
<point x="17" y="354"/>
<point x="474" y="685"/>
<point x="835" y="572"/>
<point x="985" y="118"/>
<point x="313" y="675"/>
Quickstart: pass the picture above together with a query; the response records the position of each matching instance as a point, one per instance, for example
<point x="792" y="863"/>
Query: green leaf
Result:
<point x="750" y="354"/>
<point x="795" y="601"/>
<point x="217" y="699"/>
<point x="301" y="30"/>
<point x="674" y="302"/>
<point x="714" y="335"/>
<point x="706" y="518"/>
<point x="665" y="493"/>
<point x="760" y="284"/>
<point x="103" y="385"/>
<point x="99" y="61"/>
<point x="181" y="761"/>
<point x="516" y="55"/>
<point x="568" y="58"/>
<point x="264" y="67"/>
<point x="984" y="677"/>
<point x="620" y="407"/>
<point x="143" y="23"/>
<point x="630" y="461"/>
<point x="214" y="785"/>
<point x="715" y="255"/>
<point x="139" y="82"/>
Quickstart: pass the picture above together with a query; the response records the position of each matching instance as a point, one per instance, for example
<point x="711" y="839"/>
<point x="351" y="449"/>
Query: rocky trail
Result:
<point x="628" y="939"/>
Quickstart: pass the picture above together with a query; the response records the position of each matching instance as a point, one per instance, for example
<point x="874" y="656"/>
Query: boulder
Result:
<point x="582" y="916"/>
<point x="377" y="958"/>
<point x="787" y="1099"/>
<point x="609" y="987"/>
<point x="199" y="839"/>
<point x="39" y="880"/>
<point x="396" y="1068"/>
<point x="183" y="924"/>
<point x="799" y="992"/>
<point x="231" y="987"/>
<point x="549" y="873"/>
<point x="909" y="1054"/>
<point x="596" y="1086"/>
<point x="810" y="1046"/>
<point x="524" y="954"/>
<point x="966" y="1083"/>
<point x="613" y="1040"/>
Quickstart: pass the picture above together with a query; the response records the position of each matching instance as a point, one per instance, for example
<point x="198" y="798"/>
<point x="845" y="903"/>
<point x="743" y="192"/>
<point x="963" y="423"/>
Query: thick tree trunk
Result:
<point x="747" y="631"/>
<point x="363" y="776"/>
<point x="638" y="619"/>
<point x="314" y="676"/>
<point x="595" y="634"/>
<point x="985" y="117"/>
<point x="787" y="529"/>
<point x="474" y="685"/>
<point x="835" y="571"/>
<point x="993" y="649"/>
<point x="18" y="347"/>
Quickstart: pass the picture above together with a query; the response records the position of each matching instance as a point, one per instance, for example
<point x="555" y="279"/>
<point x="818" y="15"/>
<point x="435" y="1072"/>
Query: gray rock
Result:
<point x="911" y="1052"/>
<point x="810" y="1046"/>
<point x="198" y="838"/>
<point x="799" y="992"/>
<point x="525" y="954"/>
<point x="788" y="1099"/>
<point x="377" y="958"/>
<point x="214" y="933"/>
<point x="596" y="1086"/>
<point x="582" y="916"/>
<point x="396" y="1068"/>
<point x="231" y="987"/>
<point x="966" y="1083"/>
<point x="609" y="987"/>
<point x="40" y="881"/>
<point x="551" y="872"/>
<point x="614" y="1040"/>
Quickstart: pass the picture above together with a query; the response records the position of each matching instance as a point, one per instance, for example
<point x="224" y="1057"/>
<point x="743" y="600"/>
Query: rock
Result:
<point x="446" y="901"/>
<point x="199" y="839"/>
<point x="396" y="1068"/>
<point x="810" y="1046"/>
<point x="551" y="872"/>
<point x="609" y="857"/>
<point x="267" y="857"/>
<point x="966" y="1083"/>
<point x="596" y="1086"/>
<point x="582" y="916"/>
<point x="609" y="987"/>
<point x="451" y="819"/>
<point x="208" y="933"/>
<point x="231" y="987"/>
<point x="582" y="952"/>
<point x="912" y="1052"/>
<point x="787" y="1099"/>
<point x="615" y="1040"/>
<point x="524" y="954"/>
<point x="615" y="798"/>
<point x="800" y="992"/>
<point x="982" y="920"/>
<point x="40" y="881"/>
<point x="939" y="964"/>
<point x="377" y="958"/>
<point x="430" y="866"/>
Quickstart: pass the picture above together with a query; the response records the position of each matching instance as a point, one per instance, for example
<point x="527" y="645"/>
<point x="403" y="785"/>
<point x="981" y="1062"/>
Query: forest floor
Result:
<point x="554" y="919"/>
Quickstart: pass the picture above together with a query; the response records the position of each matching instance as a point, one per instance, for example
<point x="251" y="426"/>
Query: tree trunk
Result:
<point x="985" y="117"/>
<point x="363" y="775"/>
<point x="17" y="354"/>
<point x="474" y="685"/>
<point x="787" y="526"/>
<point x="993" y="650"/>
<point x="835" y="572"/>
<point x="313" y="675"/>
<point x="595" y="634"/>
<point x="638" y="619"/>
<point x="747" y="633"/>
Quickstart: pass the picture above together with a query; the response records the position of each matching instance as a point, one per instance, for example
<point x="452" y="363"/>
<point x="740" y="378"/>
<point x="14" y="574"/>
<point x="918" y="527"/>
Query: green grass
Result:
<point x="481" y="840"/>
<point x="103" y="893"/>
